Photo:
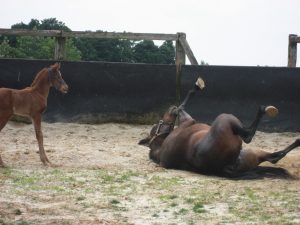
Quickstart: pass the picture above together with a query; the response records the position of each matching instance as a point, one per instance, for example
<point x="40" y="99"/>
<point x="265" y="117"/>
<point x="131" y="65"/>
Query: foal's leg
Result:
<point x="247" y="133"/>
<point x="39" y="136"/>
<point x="4" y="117"/>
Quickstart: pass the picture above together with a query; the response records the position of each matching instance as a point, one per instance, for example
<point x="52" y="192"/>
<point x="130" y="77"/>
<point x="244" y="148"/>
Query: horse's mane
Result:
<point x="37" y="77"/>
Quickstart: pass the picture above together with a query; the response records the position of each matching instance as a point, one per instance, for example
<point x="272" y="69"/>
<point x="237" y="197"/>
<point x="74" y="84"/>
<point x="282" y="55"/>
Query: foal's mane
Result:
<point x="38" y="77"/>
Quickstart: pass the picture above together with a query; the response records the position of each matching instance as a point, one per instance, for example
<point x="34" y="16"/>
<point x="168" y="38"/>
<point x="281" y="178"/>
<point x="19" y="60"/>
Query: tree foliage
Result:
<point x="113" y="50"/>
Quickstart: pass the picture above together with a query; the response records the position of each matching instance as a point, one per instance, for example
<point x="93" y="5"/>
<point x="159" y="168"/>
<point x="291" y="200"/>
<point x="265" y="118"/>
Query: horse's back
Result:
<point x="6" y="98"/>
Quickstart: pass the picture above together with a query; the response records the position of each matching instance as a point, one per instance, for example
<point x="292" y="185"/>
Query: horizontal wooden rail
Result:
<point x="182" y="46"/>
<point x="89" y="34"/>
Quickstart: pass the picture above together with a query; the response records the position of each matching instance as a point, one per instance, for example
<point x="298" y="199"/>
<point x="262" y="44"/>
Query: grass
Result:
<point x="162" y="197"/>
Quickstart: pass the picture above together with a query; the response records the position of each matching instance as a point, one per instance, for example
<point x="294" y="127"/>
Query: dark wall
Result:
<point x="101" y="92"/>
<point x="240" y="90"/>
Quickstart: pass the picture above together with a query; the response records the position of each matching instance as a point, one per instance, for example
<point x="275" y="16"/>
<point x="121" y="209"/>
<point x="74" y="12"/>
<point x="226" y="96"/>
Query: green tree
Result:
<point x="146" y="52"/>
<point x="37" y="47"/>
<point x="6" y="51"/>
<point x="167" y="53"/>
<point x="112" y="50"/>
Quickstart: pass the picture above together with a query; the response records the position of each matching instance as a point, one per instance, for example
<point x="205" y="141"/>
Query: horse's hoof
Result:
<point x="200" y="83"/>
<point x="271" y="111"/>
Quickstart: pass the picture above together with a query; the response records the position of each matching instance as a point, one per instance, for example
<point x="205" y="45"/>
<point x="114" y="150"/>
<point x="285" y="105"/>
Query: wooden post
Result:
<point x="59" y="52"/>
<point x="292" y="51"/>
<point x="179" y="61"/>
<point x="187" y="49"/>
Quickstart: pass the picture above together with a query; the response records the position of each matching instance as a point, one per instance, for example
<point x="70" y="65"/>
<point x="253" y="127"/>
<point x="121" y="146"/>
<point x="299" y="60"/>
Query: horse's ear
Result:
<point x="145" y="141"/>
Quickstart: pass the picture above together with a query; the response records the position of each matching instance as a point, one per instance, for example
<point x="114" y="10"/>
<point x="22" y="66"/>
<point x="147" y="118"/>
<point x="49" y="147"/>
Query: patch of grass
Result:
<point x="182" y="211"/>
<point x="114" y="202"/>
<point x="80" y="198"/>
<point x="163" y="182"/>
<point x="250" y="193"/>
<point x="155" y="215"/>
<point x="25" y="180"/>
<point x="168" y="197"/>
<point x="199" y="208"/>
<point x="174" y="204"/>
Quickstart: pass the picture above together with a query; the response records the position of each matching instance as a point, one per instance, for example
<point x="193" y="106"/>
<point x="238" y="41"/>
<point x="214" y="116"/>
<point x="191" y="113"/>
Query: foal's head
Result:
<point x="56" y="79"/>
<point x="162" y="129"/>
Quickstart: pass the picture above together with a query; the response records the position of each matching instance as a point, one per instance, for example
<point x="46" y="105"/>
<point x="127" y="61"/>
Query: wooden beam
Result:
<point x="294" y="38"/>
<point x="188" y="50"/>
<point x="89" y="34"/>
<point x="34" y="33"/>
<point x="292" y="51"/>
<point x="179" y="61"/>
<point x="59" y="51"/>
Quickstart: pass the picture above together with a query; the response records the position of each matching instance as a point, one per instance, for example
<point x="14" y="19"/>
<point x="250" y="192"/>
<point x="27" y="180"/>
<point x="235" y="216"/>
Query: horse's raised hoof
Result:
<point x="271" y="111"/>
<point x="200" y="83"/>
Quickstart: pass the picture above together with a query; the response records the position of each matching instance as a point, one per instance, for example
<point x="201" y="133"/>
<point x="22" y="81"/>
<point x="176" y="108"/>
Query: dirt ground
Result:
<point x="104" y="177"/>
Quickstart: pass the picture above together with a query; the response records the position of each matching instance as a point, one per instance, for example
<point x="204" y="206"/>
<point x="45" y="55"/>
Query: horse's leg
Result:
<point x="247" y="133"/>
<point x="39" y="136"/>
<point x="250" y="159"/>
<point x="4" y="117"/>
<point x="276" y="156"/>
<point x="184" y="119"/>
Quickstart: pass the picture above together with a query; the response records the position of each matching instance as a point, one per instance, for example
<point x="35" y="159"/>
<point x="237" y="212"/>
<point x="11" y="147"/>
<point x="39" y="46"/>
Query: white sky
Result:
<point x="220" y="32"/>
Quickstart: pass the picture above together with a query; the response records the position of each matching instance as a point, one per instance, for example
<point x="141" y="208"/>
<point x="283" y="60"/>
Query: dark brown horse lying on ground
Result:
<point x="215" y="149"/>
<point x="32" y="102"/>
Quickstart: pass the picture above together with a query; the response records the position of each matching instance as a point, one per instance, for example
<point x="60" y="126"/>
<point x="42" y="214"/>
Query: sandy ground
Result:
<point x="82" y="151"/>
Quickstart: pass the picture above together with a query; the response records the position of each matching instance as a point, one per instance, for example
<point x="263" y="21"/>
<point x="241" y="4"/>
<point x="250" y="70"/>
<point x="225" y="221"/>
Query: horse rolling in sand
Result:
<point x="32" y="102"/>
<point x="215" y="149"/>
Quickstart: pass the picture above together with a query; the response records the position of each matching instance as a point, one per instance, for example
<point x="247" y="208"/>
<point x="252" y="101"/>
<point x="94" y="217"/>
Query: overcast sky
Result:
<point x="220" y="32"/>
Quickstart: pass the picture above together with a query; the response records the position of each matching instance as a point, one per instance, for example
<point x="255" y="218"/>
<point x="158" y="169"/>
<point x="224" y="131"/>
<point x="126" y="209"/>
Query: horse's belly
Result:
<point x="21" y="112"/>
<point x="21" y="105"/>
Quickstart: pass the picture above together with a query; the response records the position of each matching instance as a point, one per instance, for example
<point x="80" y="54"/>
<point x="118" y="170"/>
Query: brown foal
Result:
<point x="32" y="102"/>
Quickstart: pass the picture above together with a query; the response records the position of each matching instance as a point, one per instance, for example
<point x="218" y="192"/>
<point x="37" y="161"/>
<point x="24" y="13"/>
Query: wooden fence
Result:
<point x="292" y="50"/>
<point x="182" y="47"/>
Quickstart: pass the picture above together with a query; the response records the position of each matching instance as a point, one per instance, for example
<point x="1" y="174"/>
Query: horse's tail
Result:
<point x="259" y="173"/>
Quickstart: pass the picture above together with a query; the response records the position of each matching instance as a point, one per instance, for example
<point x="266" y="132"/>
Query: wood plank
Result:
<point x="38" y="33"/>
<point x="59" y="51"/>
<point x="188" y="50"/>
<point x="297" y="39"/>
<point x="89" y="34"/>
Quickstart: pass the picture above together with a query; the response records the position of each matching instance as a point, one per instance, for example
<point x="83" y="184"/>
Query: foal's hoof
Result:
<point x="271" y="111"/>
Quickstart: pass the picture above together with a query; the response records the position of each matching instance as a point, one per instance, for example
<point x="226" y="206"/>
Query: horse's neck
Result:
<point x="41" y="84"/>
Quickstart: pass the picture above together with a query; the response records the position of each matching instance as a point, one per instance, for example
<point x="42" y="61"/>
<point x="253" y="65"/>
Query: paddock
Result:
<point x="104" y="177"/>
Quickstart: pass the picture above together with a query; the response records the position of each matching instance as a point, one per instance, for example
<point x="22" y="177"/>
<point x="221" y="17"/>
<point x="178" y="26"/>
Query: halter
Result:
<point x="157" y="132"/>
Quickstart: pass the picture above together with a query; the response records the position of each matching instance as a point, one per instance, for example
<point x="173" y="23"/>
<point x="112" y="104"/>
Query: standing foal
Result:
<point x="32" y="102"/>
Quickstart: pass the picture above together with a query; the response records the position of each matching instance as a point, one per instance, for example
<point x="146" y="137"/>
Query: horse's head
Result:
<point x="162" y="129"/>
<point x="56" y="79"/>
